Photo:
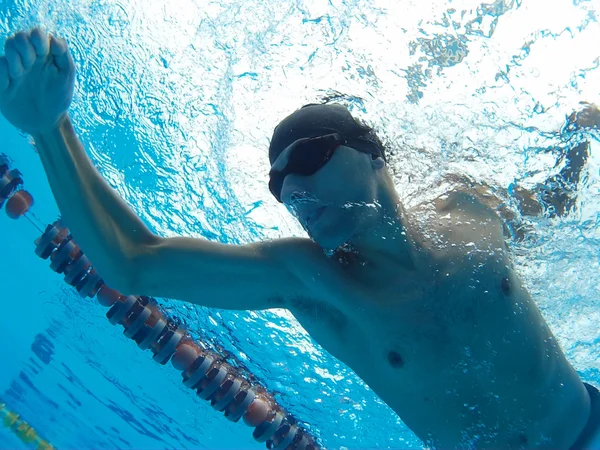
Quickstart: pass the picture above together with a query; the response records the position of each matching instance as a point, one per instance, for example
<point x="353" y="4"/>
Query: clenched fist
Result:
<point x="37" y="76"/>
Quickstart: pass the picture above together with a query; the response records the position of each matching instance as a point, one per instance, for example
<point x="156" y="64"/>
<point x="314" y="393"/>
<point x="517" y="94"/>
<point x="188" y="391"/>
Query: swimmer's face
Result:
<point x="337" y="201"/>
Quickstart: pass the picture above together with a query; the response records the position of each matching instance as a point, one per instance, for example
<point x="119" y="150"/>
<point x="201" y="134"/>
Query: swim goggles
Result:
<point x="304" y="157"/>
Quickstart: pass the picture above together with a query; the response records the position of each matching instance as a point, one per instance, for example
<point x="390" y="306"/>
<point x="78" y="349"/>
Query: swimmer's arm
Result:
<point x="133" y="260"/>
<point x="238" y="277"/>
<point x="101" y="223"/>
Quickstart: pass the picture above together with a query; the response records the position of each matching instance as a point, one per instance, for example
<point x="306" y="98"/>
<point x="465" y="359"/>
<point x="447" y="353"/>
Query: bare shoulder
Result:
<point x="459" y="224"/>
<point x="308" y="262"/>
<point x="303" y="256"/>
<point x="464" y="202"/>
<point x="325" y="311"/>
<point x="298" y="246"/>
<point x="325" y="279"/>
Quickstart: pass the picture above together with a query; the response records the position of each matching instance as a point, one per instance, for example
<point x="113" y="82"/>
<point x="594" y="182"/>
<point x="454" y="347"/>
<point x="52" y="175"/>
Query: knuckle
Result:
<point x="36" y="33"/>
<point x="18" y="43"/>
<point x="11" y="51"/>
<point x="20" y="38"/>
<point x="10" y="43"/>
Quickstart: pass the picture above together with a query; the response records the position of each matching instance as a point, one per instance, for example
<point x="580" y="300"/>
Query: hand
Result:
<point x="37" y="76"/>
<point x="587" y="117"/>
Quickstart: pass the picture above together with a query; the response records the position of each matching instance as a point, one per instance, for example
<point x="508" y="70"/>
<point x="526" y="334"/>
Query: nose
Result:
<point x="295" y="188"/>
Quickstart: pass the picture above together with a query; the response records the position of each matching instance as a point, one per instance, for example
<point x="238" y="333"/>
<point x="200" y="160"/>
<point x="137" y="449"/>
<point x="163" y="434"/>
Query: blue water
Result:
<point x="175" y="103"/>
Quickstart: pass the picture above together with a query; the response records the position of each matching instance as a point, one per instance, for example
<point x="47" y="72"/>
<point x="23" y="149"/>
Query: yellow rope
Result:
<point x="22" y="429"/>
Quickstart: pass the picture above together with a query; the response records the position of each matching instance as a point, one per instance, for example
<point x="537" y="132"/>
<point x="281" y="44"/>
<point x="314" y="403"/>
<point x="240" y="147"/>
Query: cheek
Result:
<point x="295" y="184"/>
<point x="345" y="186"/>
<point x="333" y="180"/>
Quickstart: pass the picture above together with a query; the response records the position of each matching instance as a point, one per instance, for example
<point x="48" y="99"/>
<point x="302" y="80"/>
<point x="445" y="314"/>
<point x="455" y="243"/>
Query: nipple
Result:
<point x="395" y="360"/>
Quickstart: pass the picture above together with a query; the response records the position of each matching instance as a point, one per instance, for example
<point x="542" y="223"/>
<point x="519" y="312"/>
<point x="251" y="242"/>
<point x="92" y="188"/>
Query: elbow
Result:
<point x="120" y="276"/>
<point x="121" y="272"/>
<point x="129" y="277"/>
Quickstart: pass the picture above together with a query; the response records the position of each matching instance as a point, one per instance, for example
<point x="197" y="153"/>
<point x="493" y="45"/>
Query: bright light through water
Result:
<point x="465" y="88"/>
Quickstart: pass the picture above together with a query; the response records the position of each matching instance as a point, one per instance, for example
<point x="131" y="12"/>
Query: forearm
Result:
<point x="101" y="223"/>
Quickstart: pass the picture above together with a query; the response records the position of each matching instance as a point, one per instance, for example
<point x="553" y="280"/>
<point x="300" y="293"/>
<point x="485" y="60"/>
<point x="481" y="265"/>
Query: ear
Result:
<point x="378" y="163"/>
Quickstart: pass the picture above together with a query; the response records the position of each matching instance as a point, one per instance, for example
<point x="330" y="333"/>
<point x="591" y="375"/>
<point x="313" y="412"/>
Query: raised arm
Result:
<point x="253" y="276"/>
<point x="36" y="87"/>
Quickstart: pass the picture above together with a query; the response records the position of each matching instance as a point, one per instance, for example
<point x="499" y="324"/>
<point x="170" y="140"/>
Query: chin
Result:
<point x="329" y="242"/>
<point x="332" y="232"/>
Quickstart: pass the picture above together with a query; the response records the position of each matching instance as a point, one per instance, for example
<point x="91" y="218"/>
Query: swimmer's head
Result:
<point x="329" y="170"/>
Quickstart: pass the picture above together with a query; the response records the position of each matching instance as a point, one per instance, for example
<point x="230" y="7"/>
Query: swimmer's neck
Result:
<point x="385" y="243"/>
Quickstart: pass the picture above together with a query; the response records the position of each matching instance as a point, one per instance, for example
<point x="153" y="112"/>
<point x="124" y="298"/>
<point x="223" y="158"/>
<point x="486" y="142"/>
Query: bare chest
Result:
<point x="450" y="352"/>
<point x="419" y="329"/>
<point x="415" y="329"/>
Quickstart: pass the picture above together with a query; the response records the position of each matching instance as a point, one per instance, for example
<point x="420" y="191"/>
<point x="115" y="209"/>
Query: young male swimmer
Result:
<point x="422" y="303"/>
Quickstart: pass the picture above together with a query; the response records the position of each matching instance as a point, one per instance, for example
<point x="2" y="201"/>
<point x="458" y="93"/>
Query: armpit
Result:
<point x="319" y="312"/>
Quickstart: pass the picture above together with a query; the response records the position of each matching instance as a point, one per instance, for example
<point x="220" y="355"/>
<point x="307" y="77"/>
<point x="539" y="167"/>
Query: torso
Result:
<point x="455" y="346"/>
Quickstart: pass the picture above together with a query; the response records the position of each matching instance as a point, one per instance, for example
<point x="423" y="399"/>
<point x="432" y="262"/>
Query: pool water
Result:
<point x="176" y="102"/>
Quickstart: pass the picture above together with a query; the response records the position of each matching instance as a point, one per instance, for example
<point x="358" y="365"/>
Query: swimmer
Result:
<point x="423" y="303"/>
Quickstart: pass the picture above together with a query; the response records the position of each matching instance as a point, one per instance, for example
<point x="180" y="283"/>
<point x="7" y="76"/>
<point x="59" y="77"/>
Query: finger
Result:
<point x="13" y="58"/>
<point x="4" y="78"/>
<point x="25" y="49"/>
<point x="60" y="51"/>
<point x="40" y="41"/>
<point x="58" y="46"/>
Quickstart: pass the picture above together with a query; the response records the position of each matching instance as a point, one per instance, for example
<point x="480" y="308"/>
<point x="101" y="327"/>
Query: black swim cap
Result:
<point x="318" y="120"/>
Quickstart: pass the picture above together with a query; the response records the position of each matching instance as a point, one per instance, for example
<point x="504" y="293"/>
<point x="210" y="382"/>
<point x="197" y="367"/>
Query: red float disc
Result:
<point x="19" y="204"/>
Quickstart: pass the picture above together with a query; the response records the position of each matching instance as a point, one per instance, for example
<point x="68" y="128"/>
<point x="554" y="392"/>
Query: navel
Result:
<point x="395" y="360"/>
<point x="505" y="286"/>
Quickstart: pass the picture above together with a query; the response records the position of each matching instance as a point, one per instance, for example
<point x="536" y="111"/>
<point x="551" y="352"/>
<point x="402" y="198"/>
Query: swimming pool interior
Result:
<point x="176" y="101"/>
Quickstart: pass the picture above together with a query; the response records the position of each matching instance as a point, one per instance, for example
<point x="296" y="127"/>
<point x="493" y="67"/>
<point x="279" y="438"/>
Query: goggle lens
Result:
<point x="305" y="157"/>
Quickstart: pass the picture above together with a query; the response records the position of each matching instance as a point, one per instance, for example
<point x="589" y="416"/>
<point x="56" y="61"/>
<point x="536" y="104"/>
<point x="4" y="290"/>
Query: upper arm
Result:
<point x="239" y="277"/>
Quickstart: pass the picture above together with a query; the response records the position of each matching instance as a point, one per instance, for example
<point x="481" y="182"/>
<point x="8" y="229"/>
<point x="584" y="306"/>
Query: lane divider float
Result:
<point x="208" y="374"/>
